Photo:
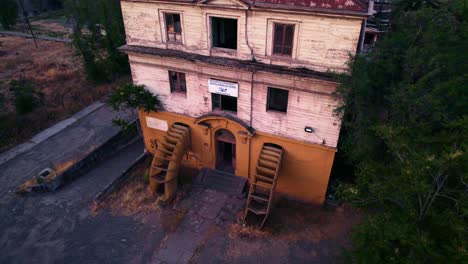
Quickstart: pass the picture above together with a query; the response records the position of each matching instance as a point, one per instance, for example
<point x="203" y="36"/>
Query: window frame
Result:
<point x="210" y="31"/>
<point x="221" y="103"/>
<point x="177" y="37"/>
<point x="178" y="85"/>
<point x="269" y="96"/>
<point x="274" y="36"/>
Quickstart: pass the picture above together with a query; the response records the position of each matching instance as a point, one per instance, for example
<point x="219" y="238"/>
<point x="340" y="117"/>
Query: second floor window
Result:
<point x="277" y="99"/>
<point x="224" y="32"/>
<point x="173" y="28"/>
<point x="283" y="39"/>
<point x="177" y="82"/>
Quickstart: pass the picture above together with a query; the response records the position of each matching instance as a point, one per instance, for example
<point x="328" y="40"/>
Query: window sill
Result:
<point x="175" y="43"/>
<point x="179" y="94"/>
<point x="276" y="112"/>
<point x="224" y="111"/>
<point x="287" y="58"/>
<point x="223" y="52"/>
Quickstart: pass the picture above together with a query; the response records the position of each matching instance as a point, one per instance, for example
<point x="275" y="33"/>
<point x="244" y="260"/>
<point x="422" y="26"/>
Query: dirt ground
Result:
<point x="294" y="233"/>
<point x="56" y="72"/>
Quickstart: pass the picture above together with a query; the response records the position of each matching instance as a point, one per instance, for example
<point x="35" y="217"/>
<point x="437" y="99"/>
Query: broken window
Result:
<point x="277" y="99"/>
<point x="283" y="39"/>
<point x="173" y="28"/>
<point x="224" y="32"/>
<point x="177" y="82"/>
<point x="224" y="102"/>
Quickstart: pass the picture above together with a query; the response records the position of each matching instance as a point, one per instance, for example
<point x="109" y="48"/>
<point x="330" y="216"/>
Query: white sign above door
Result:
<point x="223" y="87"/>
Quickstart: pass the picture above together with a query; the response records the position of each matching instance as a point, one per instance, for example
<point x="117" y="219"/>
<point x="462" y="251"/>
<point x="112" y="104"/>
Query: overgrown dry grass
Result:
<point x="292" y="223"/>
<point x="56" y="72"/>
<point x="134" y="198"/>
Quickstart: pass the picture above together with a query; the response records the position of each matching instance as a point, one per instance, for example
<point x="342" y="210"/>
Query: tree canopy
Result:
<point x="405" y="124"/>
<point x="98" y="32"/>
<point x="8" y="13"/>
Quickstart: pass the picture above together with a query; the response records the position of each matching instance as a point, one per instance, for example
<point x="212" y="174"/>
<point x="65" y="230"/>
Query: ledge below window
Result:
<point x="222" y="52"/>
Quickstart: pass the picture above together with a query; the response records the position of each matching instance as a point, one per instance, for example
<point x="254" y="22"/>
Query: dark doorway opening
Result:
<point x="224" y="32"/>
<point x="225" y="151"/>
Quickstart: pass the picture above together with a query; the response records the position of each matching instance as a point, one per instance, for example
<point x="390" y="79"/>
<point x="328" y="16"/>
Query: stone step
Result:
<point x="221" y="181"/>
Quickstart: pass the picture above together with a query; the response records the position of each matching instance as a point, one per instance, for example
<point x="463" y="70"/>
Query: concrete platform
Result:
<point x="60" y="146"/>
<point x="45" y="134"/>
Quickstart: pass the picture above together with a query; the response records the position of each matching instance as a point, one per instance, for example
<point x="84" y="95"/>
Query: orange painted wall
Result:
<point x="305" y="167"/>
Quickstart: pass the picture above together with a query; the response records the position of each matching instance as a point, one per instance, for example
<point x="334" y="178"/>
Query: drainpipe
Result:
<point x="362" y="36"/>
<point x="251" y="118"/>
<point x="251" y="86"/>
<point x="246" y="34"/>
<point x="251" y="96"/>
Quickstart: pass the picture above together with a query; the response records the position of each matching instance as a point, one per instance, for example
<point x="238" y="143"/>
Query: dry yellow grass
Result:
<point x="133" y="198"/>
<point x="56" y="72"/>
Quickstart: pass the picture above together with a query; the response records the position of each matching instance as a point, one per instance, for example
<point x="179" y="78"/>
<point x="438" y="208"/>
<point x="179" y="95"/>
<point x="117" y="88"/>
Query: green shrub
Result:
<point x="134" y="97"/>
<point x="3" y="101"/>
<point x="102" y="60"/>
<point x="8" y="13"/>
<point x="25" y="97"/>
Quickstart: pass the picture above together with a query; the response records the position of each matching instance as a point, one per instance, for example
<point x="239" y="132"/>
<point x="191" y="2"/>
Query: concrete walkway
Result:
<point x="58" y="227"/>
<point x="60" y="146"/>
<point x="47" y="133"/>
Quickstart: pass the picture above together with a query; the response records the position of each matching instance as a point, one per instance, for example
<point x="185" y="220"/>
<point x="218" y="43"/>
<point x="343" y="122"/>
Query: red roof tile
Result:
<point x="349" y="5"/>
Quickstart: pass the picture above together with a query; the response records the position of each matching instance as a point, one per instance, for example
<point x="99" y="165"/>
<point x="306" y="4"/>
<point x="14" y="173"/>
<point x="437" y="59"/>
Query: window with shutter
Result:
<point x="283" y="39"/>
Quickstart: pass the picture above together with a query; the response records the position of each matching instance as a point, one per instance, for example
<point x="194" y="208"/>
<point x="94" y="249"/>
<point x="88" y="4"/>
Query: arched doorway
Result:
<point x="225" y="151"/>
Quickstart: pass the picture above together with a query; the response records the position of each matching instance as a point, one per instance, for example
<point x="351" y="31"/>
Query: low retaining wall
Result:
<point x="106" y="150"/>
<point x="119" y="181"/>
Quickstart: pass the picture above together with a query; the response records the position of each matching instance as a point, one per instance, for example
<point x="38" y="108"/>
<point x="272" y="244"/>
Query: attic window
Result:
<point x="224" y="32"/>
<point x="173" y="28"/>
<point x="283" y="39"/>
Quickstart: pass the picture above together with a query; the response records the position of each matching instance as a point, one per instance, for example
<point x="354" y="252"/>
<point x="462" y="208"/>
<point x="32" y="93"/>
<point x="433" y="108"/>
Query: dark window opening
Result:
<point x="277" y="99"/>
<point x="224" y="32"/>
<point x="283" y="39"/>
<point x="173" y="28"/>
<point x="369" y="38"/>
<point x="224" y="102"/>
<point x="177" y="82"/>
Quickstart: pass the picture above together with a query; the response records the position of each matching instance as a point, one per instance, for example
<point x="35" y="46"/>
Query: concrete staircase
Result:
<point x="220" y="181"/>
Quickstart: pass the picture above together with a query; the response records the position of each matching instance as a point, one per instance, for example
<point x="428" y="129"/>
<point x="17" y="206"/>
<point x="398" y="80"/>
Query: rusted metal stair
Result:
<point x="262" y="187"/>
<point x="167" y="159"/>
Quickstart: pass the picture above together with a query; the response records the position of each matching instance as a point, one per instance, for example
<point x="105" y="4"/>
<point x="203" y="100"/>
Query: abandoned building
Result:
<point x="246" y="86"/>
